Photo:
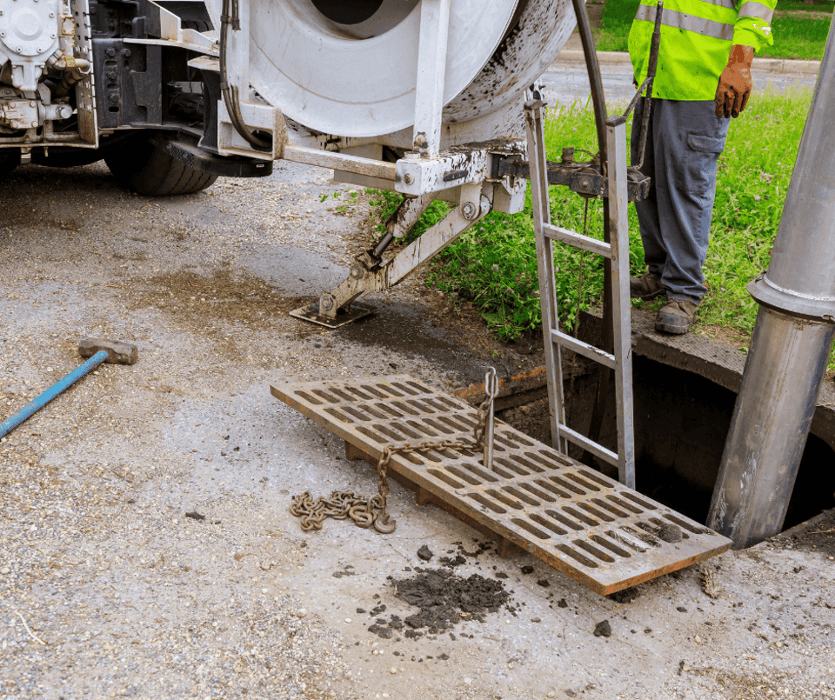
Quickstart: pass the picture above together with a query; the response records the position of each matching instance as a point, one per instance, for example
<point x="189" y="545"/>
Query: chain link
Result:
<point x="366" y="512"/>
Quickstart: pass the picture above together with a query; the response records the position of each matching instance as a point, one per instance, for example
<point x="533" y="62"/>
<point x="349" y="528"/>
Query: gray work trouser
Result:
<point x="683" y="146"/>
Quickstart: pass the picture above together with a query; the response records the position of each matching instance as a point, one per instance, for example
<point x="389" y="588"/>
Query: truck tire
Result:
<point x="9" y="160"/>
<point x="145" y="168"/>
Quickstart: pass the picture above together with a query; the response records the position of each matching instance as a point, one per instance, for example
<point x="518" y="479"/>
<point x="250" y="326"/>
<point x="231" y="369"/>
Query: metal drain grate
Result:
<point x="577" y="520"/>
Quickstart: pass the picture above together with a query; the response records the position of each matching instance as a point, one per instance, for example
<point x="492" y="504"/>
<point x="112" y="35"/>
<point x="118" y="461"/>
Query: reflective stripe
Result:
<point x="756" y="10"/>
<point x="689" y="23"/>
<point x="728" y="4"/>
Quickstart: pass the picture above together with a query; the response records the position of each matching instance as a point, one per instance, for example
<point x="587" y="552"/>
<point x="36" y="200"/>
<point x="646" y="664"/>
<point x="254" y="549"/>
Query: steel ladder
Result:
<point x="618" y="252"/>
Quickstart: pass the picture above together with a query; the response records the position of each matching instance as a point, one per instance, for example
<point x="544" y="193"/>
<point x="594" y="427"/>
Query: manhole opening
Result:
<point x="681" y="423"/>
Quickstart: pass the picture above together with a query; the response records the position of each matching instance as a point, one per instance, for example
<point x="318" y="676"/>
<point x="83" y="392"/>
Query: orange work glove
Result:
<point x="735" y="84"/>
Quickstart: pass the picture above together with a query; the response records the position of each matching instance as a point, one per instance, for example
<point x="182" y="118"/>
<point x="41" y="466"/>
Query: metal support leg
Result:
<point x="621" y="306"/>
<point x="534" y="116"/>
<point x="432" y="56"/>
<point x="474" y="206"/>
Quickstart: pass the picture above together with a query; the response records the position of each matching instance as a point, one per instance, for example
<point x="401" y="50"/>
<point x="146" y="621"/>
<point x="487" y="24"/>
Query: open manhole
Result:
<point x="579" y="521"/>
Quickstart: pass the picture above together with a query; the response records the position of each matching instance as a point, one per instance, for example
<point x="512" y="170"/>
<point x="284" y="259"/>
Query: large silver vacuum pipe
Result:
<point x="791" y="341"/>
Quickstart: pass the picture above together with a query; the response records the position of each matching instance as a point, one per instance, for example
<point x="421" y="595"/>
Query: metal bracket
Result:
<point x="368" y="276"/>
<point x="584" y="178"/>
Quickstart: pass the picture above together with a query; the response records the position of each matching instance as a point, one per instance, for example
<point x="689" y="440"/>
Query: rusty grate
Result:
<point x="582" y="523"/>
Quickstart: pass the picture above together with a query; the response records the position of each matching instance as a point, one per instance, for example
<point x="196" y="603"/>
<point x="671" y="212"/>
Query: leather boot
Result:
<point x="646" y="287"/>
<point x="676" y="316"/>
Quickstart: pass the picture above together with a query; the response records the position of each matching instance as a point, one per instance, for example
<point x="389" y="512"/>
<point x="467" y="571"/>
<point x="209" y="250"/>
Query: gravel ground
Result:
<point x="109" y="589"/>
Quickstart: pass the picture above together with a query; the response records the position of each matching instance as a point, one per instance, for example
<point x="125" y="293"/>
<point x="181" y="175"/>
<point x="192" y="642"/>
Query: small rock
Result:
<point x="603" y="629"/>
<point x="552" y="694"/>
<point x="393" y="670"/>
<point x="301" y="612"/>
<point x="544" y="582"/>
<point x="681" y="608"/>
<point x="670" y="532"/>
<point x="424" y="553"/>
<point x="194" y="515"/>
<point x="5" y="570"/>
<point x="527" y="569"/>
<point x="561" y="603"/>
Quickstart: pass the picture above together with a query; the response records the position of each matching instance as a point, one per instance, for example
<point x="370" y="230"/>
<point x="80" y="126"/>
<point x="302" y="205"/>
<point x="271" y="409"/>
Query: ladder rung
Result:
<point x="577" y="240"/>
<point x="584" y="349"/>
<point x="586" y="444"/>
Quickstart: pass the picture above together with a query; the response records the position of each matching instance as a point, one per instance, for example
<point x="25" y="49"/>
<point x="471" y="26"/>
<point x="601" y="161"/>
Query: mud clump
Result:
<point x="424" y="553"/>
<point x="445" y="599"/>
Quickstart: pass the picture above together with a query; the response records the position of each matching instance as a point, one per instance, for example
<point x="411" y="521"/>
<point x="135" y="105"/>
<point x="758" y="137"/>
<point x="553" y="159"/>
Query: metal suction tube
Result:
<point x="791" y="341"/>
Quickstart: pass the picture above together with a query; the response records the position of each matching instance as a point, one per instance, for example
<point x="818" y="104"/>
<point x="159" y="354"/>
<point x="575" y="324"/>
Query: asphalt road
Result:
<point x="568" y="82"/>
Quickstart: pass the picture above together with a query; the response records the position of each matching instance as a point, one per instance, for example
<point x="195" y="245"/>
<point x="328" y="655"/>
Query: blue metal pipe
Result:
<point x="36" y="404"/>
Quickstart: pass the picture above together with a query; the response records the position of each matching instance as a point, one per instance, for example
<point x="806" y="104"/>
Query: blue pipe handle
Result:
<point x="62" y="385"/>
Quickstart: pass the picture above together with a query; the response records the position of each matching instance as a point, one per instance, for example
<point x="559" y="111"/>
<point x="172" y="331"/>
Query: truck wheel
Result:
<point x="9" y="160"/>
<point x="142" y="166"/>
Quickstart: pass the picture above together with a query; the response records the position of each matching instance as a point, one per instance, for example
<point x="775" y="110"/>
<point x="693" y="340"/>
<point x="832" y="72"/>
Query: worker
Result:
<point x="703" y="80"/>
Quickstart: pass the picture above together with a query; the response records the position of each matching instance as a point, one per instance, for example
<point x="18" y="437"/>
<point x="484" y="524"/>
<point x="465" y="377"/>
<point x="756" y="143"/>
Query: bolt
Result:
<point x="12" y="105"/>
<point x="111" y="52"/>
<point x="19" y="50"/>
<point x="126" y="53"/>
<point x="114" y="98"/>
<point x="408" y="178"/>
<point x="326" y="302"/>
<point x="34" y="123"/>
<point x="31" y="104"/>
<point x="357" y="272"/>
<point x="470" y="211"/>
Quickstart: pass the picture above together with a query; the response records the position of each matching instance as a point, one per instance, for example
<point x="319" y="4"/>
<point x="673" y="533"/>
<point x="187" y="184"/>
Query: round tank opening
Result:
<point x="348" y="11"/>
<point x="361" y="19"/>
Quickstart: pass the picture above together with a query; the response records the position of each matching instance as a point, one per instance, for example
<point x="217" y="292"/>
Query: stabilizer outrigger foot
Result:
<point x="369" y="273"/>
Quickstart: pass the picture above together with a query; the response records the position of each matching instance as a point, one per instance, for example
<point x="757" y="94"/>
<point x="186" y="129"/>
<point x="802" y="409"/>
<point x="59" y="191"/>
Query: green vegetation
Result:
<point x="797" y="38"/>
<point x="493" y="265"/>
<point x="794" y="37"/>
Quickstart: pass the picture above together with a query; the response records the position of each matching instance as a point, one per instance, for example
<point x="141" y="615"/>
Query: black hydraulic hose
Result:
<point x="604" y="374"/>
<point x="595" y="80"/>
<point x="230" y="92"/>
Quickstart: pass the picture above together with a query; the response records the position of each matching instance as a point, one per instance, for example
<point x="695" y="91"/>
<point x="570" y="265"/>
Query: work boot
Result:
<point x="676" y="316"/>
<point x="646" y="287"/>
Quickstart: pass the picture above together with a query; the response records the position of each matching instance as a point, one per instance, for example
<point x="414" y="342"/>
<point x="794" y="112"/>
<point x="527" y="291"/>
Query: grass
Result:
<point x="493" y="265"/>
<point x="794" y="38"/>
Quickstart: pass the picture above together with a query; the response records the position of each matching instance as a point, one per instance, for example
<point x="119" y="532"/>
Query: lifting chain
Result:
<point x="366" y="512"/>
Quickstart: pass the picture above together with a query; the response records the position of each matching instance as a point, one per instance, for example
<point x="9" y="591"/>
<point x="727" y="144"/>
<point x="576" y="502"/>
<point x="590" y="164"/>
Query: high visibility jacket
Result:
<point x="696" y="39"/>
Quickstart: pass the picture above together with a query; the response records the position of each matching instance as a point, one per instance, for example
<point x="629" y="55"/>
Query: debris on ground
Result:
<point x="603" y="629"/>
<point x="424" y="553"/>
<point x="627" y="595"/>
<point x="444" y="600"/>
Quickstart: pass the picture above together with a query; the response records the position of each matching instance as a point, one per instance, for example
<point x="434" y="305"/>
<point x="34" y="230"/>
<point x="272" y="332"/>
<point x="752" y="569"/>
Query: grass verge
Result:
<point x="494" y="266"/>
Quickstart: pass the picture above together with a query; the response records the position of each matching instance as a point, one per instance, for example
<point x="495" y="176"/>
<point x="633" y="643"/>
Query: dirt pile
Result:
<point x="444" y="600"/>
